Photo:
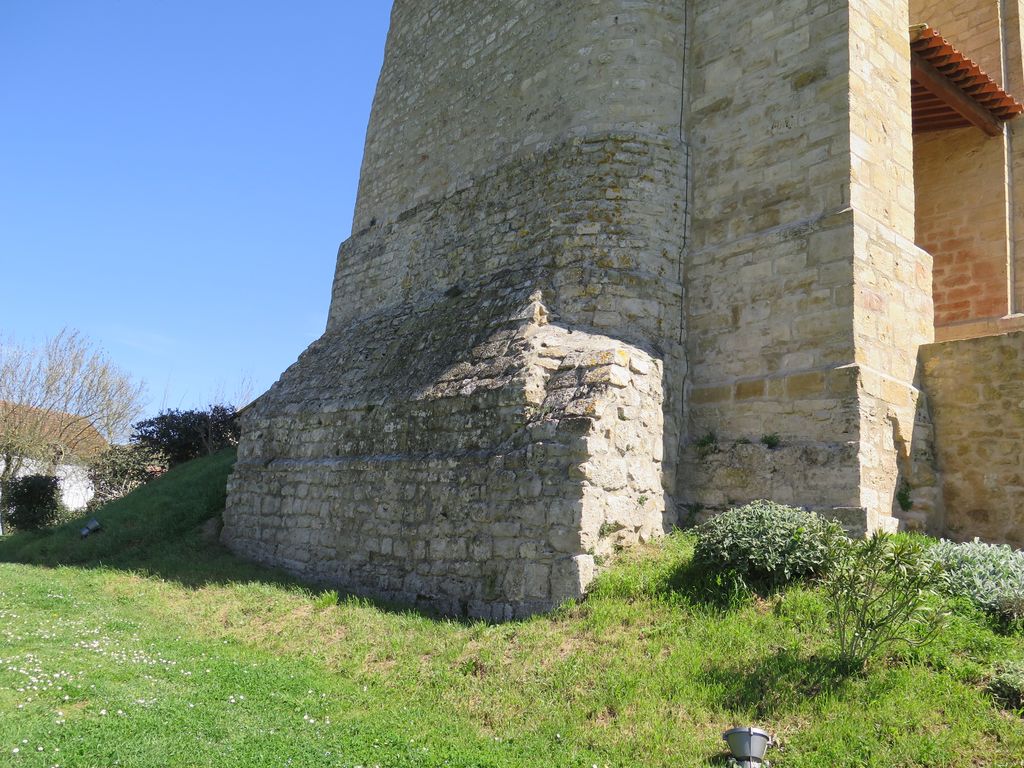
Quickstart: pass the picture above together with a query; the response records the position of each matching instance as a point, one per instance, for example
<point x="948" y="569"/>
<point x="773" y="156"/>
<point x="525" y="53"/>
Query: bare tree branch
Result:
<point x="60" y="400"/>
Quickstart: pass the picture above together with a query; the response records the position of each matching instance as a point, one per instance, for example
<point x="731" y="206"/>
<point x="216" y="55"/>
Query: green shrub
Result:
<point x="988" y="575"/>
<point x="767" y="545"/>
<point x="121" y="469"/>
<point x="185" y="435"/>
<point x="905" y="496"/>
<point x="33" y="502"/>
<point x="1010" y="612"/>
<point x="1007" y="687"/>
<point x="880" y="594"/>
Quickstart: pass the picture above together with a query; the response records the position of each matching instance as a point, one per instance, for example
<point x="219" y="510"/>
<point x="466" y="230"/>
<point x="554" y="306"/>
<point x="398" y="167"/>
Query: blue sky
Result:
<point x="175" y="179"/>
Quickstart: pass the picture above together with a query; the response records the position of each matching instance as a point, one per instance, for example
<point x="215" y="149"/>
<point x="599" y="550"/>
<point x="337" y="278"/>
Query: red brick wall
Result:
<point x="961" y="222"/>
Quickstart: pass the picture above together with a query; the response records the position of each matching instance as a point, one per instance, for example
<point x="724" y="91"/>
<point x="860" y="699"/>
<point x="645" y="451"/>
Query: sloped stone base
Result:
<point x="472" y="458"/>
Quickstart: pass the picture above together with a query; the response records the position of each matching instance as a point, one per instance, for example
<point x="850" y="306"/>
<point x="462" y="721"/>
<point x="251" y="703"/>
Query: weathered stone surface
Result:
<point x="807" y="298"/>
<point x="643" y="256"/>
<point x="435" y="465"/>
<point x="976" y="393"/>
<point x="490" y="398"/>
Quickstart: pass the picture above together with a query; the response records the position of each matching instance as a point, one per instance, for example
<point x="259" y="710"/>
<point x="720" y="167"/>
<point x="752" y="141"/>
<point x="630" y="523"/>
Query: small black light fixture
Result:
<point x="91" y="527"/>
<point x="748" y="745"/>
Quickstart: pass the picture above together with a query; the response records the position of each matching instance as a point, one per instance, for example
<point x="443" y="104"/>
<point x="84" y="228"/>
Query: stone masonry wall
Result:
<point x="976" y="392"/>
<point x="598" y="219"/>
<point x="486" y="415"/>
<point x="597" y="200"/>
<point x="961" y="220"/>
<point x="806" y="297"/>
<point x="768" y="278"/>
<point x="606" y="260"/>
<point x="475" y="473"/>
<point x="892" y="304"/>
<point x="471" y="85"/>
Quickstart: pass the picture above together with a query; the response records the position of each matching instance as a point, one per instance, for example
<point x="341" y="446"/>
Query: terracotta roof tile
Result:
<point x="933" y="113"/>
<point x="88" y="441"/>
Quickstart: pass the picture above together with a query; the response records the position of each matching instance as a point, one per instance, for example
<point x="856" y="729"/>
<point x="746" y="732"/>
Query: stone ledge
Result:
<point x="971" y="329"/>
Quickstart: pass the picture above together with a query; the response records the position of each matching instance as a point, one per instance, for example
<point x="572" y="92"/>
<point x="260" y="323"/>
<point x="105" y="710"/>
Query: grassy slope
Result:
<point x="152" y="529"/>
<point x="197" y="659"/>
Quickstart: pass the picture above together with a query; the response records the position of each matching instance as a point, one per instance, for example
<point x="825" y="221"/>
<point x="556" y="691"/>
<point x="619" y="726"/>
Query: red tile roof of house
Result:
<point x="88" y="442"/>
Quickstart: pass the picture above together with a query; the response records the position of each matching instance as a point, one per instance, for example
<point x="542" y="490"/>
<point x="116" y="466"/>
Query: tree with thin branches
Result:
<point x="60" y="401"/>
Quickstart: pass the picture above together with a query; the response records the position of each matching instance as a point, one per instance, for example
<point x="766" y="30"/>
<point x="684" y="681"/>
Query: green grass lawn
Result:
<point x="148" y="645"/>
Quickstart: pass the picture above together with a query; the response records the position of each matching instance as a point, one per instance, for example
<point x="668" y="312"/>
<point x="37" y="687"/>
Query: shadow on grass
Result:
<point x="669" y="573"/>
<point x="192" y="558"/>
<point x="195" y="560"/>
<point x="779" y="683"/>
<point x="701" y="585"/>
<point x="165" y="529"/>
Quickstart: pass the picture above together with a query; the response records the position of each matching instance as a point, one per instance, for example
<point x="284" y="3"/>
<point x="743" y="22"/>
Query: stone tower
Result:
<point x="600" y="249"/>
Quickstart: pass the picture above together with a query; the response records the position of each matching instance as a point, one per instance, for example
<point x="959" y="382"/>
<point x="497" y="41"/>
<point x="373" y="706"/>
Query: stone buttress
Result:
<point x="487" y="415"/>
<point x="614" y="262"/>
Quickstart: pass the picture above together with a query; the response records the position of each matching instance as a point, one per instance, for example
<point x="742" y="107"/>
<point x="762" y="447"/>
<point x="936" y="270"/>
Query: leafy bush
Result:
<point x="988" y="575"/>
<point x="33" y="502"/>
<point x="121" y="469"/>
<point x="764" y="544"/>
<point x="185" y="435"/>
<point x="1007" y="687"/>
<point x="880" y="594"/>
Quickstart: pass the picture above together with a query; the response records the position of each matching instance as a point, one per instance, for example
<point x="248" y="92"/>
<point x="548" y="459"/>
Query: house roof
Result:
<point x="74" y="433"/>
<point x="949" y="90"/>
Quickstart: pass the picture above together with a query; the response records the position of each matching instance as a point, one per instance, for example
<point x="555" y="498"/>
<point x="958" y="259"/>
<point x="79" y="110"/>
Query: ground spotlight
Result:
<point x="748" y="745"/>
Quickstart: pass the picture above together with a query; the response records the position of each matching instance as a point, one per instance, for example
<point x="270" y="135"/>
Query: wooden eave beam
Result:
<point x="924" y="74"/>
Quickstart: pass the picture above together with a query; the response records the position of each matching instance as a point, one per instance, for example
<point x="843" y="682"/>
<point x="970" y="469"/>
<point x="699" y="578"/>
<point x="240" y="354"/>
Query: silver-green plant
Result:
<point x="764" y="544"/>
<point x="990" y="576"/>
<point x="881" y="593"/>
